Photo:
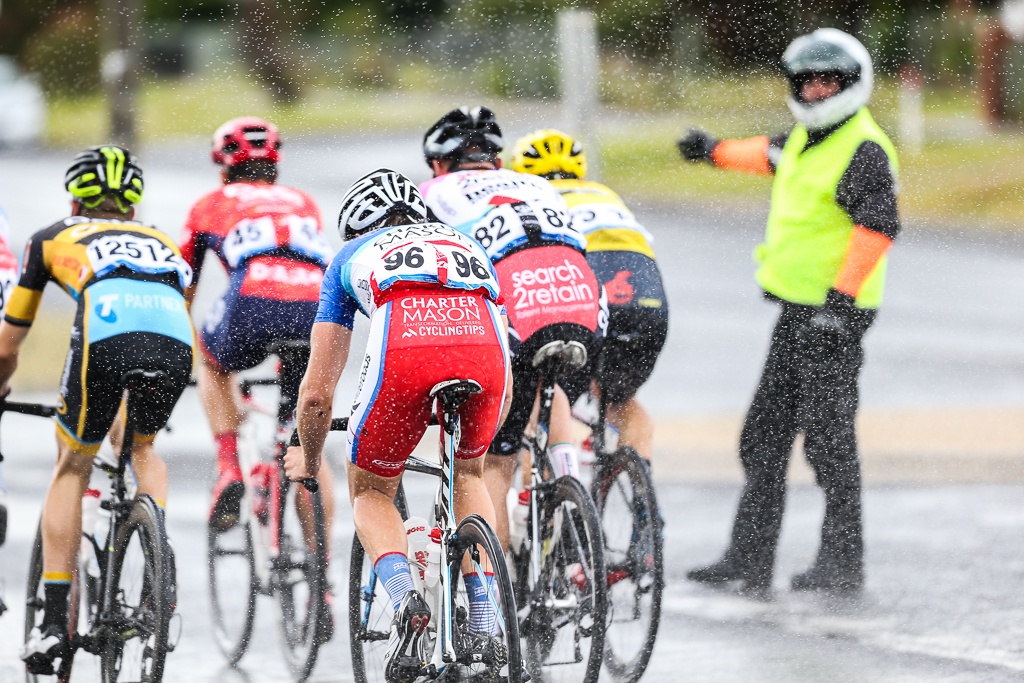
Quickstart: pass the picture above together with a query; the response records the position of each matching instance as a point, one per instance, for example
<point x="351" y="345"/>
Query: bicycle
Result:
<point x="447" y="640"/>
<point x="561" y="582"/>
<point x="272" y="548"/>
<point x="632" y="527"/>
<point x="122" y="613"/>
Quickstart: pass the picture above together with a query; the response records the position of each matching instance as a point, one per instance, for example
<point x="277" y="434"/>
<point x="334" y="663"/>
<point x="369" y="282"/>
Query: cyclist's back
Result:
<point x="550" y="291"/>
<point x="129" y="281"/>
<point x="620" y="251"/>
<point x="270" y="241"/>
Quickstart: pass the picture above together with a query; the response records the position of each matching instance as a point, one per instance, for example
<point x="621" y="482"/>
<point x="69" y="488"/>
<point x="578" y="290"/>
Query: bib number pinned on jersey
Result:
<point x="141" y="254"/>
<point x="509" y="225"/>
<point x="259" y="235"/>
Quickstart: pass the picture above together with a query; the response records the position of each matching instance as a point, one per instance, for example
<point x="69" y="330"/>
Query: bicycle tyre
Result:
<point x="635" y="561"/>
<point x="472" y="534"/>
<point x="149" y="614"/>
<point x="559" y="578"/>
<point x="35" y="602"/>
<point x="368" y="639"/>
<point x="232" y="638"/>
<point x="302" y="611"/>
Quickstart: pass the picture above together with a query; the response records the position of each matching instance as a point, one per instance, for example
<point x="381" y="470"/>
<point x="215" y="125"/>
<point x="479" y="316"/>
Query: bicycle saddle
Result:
<point x="568" y="354"/>
<point x="454" y="392"/>
<point x="284" y="347"/>
<point x="144" y="380"/>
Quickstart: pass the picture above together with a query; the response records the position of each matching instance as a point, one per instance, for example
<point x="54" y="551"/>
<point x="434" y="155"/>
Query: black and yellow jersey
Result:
<point x="78" y="252"/>
<point x="600" y="214"/>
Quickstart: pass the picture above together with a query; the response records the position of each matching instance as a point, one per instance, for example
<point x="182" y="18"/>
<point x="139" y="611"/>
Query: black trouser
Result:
<point x="808" y="385"/>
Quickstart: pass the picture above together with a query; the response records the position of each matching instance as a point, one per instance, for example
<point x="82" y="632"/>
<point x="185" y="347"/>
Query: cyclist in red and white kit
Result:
<point x="270" y="240"/>
<point x="8" y="278"/>
<point x="550" y="291"/>
<point x="432" y="299"/>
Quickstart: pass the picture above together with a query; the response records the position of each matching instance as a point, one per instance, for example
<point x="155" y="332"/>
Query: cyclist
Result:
<point x="8" y="276"/>
<point x="270" y="240"/>
<point x="832" y="221"/>
<point x="551" y="292"/>
<point x="432" y="299"/>
<point x="129" y="281"/>
<point x="620" y="253"/>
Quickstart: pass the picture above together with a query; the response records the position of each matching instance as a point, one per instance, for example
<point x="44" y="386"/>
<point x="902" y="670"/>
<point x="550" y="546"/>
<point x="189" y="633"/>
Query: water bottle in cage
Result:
<point x="262" y="479"/>
<point x="418" y="538"/>
<point x="90" y="529"/>
<point x="432" y="576"/>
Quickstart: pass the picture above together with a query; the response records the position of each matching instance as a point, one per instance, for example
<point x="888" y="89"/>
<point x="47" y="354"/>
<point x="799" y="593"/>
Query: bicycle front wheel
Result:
<point x="233" y="587"/>
<point x="494" y="656"/>
<point x="300" y="577"/>
<point x="564" y="618"/>
<point x="35" y="602"/>
<point x="631" y="522"/>
<point x="134" y="641"/>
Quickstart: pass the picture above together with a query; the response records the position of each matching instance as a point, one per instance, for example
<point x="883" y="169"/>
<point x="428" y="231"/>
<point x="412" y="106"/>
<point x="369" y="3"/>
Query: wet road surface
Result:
<point x="945" y="562"/>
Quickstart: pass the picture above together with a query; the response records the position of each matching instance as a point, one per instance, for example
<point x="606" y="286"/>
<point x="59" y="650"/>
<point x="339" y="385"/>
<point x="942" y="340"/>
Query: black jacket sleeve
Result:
<point x="867" y="190"/>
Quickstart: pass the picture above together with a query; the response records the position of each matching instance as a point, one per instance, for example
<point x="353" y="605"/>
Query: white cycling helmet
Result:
<point x="828" y="51"/>
<point x="376" y="197"/>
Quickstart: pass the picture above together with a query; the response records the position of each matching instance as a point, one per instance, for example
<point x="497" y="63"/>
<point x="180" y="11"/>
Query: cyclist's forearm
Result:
<point x="11" y="337"/>
<point x="314" y="426"/>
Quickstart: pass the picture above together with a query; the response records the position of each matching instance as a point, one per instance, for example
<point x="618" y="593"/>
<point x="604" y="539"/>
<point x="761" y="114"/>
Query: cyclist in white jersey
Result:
<point x="550" y="291"/>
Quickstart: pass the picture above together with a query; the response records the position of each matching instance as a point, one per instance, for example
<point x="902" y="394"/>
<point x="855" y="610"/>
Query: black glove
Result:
<point x="696" y="145"/>
<point x="832" y="321"/>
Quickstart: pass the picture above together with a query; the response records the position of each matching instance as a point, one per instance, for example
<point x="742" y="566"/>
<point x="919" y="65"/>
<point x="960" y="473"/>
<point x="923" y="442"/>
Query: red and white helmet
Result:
<point x="244" y="139"/>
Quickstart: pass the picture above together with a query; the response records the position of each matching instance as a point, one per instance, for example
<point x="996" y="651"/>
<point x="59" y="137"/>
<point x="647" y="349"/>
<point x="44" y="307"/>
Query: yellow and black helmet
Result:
<point x="549" y="153"/>
<point x="107" y="171"/>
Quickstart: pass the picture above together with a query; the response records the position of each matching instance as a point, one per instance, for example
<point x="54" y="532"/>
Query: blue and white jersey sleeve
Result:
<point x="337" y="305"/>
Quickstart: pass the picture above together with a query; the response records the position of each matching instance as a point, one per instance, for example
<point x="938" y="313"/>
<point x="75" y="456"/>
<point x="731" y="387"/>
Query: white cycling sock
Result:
<point x="565" y="459"/>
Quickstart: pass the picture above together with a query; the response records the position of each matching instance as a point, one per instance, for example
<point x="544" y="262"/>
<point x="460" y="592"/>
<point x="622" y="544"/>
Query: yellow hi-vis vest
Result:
<point x="808" y="233"/>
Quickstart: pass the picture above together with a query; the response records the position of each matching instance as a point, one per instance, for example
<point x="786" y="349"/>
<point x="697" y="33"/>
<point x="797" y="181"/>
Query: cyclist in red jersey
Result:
<point x="270" y="240"/>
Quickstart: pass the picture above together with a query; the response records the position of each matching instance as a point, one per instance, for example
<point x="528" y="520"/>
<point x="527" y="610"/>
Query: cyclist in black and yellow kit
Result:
<point x="619" y="252"/>
<point x="128" y="279"/>
<point x="833" y="218"/>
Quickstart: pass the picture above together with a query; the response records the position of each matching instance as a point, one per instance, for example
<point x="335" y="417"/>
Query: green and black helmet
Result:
<point x="107" y="171"/>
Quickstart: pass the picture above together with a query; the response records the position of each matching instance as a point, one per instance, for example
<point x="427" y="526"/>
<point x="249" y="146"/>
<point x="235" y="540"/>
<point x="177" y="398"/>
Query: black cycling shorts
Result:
<point x="91" y="388"/>
<point x="524" y="380"/>
<point x="637" y="323"/>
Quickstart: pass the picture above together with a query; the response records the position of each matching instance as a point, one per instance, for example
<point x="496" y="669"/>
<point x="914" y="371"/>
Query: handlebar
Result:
<point x="35" y="409"/>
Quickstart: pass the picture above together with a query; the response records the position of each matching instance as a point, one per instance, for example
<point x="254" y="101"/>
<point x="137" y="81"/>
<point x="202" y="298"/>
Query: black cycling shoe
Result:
<point x="403" y="660"/>
<point x="836" y="582"/>
<point x="42" y="648"/>
<point x="227" y="505"/>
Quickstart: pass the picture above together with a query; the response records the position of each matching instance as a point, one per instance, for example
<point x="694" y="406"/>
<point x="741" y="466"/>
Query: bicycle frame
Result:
<point x="120" y="507"/>
<point x="451" y="431"/>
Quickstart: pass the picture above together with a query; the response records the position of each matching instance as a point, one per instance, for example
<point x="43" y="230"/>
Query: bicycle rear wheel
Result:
<point x="134" y="642"/>
<point x="369" y="611"/>
<point x="500" y="658"/>
<point x="233" y="587"/>
<point x="631" y="522"/>
<point x="300" y="578"/>
<point x="565" y="610"/>
<point x="35" y="602"/>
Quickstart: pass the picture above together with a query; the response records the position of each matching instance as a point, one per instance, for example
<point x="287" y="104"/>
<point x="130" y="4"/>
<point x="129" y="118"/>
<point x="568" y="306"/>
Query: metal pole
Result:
<point x="577" y="47"/>
<point x="121" y="19"/>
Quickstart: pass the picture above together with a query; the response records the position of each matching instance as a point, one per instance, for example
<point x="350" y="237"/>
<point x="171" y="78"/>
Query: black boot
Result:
<point x="753" y="583"/>
<point x="828" y="580"/>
